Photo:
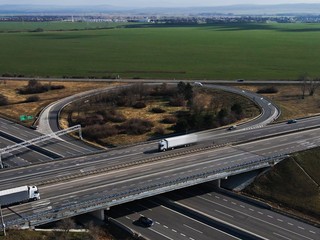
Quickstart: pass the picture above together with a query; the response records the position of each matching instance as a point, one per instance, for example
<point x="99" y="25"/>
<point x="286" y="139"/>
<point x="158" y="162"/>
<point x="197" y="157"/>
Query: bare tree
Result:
<point x="66" y="225"/>
<point x="313" y="85"/>
<point x="304" y="78"/>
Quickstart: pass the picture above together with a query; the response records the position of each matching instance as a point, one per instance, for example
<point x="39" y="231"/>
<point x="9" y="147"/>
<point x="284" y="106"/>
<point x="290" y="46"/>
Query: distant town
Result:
<point x="216" y="18"/>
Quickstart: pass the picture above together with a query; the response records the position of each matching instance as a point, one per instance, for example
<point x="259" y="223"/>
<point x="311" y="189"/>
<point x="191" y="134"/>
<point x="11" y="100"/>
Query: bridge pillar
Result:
<point x="98" y="214"/>
<point x="215" y="183"/>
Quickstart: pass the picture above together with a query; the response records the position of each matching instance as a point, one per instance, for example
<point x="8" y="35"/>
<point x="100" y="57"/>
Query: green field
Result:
<point x="250" y="51"/>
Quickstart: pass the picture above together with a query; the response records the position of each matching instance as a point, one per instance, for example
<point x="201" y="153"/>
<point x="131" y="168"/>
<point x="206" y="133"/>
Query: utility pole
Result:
<point x="2" y="221"/>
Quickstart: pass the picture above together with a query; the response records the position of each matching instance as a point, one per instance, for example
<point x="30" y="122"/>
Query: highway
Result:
<point x="245" y="215"/>
<point x="98" y="180"/>
<point x="168" y="222"/>
<point x="65" y="146"/>
<point x="122" y="185"/>
<point x="48" y="119"/>
<point x="55" y="148"/>
<point x="196" y="213"/>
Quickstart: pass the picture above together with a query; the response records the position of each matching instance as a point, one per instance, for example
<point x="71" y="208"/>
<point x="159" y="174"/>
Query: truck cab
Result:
<point x="162" y="146"/>
<point x="33" y="193"/>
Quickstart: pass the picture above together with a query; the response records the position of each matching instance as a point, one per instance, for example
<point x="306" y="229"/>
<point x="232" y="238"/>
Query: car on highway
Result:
<point x="291" y="121"/>
<point x="198" y="84"/>
<point x="145" y="221"/>
<point x="240" y="80"/>
<point x="233" y="127"/>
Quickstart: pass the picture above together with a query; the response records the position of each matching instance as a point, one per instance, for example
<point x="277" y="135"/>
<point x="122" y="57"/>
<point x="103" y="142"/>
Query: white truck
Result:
<point x="19" y="195"/>
<point x="173" y="142"/>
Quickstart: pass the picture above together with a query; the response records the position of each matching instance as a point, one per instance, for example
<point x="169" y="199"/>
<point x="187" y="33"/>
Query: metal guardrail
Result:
<point x="116" y="198"/>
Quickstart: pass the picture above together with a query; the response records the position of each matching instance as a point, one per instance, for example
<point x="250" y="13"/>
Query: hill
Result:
<point x="290" y="9"/>
<point x="292" y="184"/>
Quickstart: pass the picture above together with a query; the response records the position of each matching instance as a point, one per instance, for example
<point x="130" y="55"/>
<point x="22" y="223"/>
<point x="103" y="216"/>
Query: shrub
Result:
<point x="139" y="105"/>
<point x="157" y="110"/>
<point x="34" y="98"/>
<point x="99" y="131"/>
<point x="267" y="90"/>
<point x="159" y="131"/>
<point x="169" y="119"/>
<point x="3" y="100"/>
<point x="35" y="86"/>
<point x="116" y="118"/>
<point x="136" y="126"/>
<point x="177" y="101"/>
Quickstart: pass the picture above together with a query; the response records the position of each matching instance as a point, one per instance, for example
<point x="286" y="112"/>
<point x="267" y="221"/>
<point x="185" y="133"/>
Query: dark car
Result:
<point x="240" y="80"/>
<point x="145" y="222"/>
<point x="232" y="127"/>
<point x="291" y="121"/>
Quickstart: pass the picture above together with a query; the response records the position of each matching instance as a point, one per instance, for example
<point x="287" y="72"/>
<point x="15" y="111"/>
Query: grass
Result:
<point x="290" y="102"/>
<point x="11" y="27"/>
<point x="289" y="186"/>
<point x="226" y="51"/>
<point x="18" y="107"/>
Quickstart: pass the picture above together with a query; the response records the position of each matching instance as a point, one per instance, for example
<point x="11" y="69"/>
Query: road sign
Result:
<point x="23" y="117"/>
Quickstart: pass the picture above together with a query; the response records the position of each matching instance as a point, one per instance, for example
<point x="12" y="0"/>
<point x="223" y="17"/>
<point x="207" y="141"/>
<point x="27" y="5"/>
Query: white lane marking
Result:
<point x="173" y="230"/>
<point x="165" y="226"/>
<point x="280" y="220"/>
<point x="312" y="232"/>
<point x="270" y="216"/>
<point x="260" y="213"/>
<point x="281" y="236"/>
<point x="258" y="219"/>
<point x="183" y="235"/>
<point x="301" y="228"/>
<point x="224" y="213"/>
<point x="160" y="234"/>
<point x="291" y="224"/>
<point x="196" y="230"/>
<point x="208" y="226"/>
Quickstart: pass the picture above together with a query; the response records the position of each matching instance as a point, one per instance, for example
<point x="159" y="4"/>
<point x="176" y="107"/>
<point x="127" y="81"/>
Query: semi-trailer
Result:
<point x="179" y="141"/>
<point x="19" y="195"/>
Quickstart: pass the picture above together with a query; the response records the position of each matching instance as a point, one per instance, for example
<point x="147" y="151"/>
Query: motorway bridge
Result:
<point x="97" y="181"/>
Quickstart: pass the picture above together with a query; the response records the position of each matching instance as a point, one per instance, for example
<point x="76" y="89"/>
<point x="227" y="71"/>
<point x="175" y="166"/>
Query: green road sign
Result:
<point x="23" y="117"/>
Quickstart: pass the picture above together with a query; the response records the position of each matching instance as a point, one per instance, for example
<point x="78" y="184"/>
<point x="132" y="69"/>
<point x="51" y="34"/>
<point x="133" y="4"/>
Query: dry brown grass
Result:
<point x="17" y="107"/>
<point x="289" y="100"/>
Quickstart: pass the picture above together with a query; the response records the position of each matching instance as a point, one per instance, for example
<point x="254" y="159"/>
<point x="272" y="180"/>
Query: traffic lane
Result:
<point x="19" y="157"/>
<point x="84" y="164"/>
<point x="266" y="215"/>
<point x="71" y="147"/>
<point x="167" y="222"/>
<point x="225" y="136"/>
<point x="294" y="142"/>
<point x="212" y="159"/>
<point x="248" y="216"/>
<point x="145" y="147"/>
<point x="221" y="157"/>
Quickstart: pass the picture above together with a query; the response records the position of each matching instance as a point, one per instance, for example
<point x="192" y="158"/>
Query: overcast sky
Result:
<point x="154" y="3"/>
